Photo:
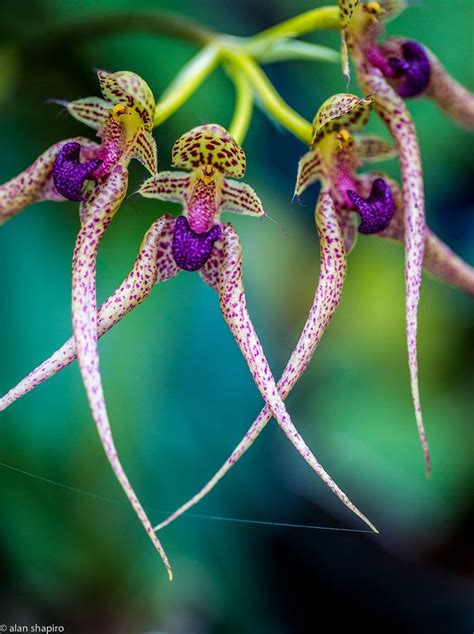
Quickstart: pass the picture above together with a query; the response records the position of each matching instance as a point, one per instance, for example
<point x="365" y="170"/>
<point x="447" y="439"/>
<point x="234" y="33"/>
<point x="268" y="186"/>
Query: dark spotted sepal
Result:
<point x="69" y="173"/>
<point x="377" y="210"/>
<point x="192" y="250"/>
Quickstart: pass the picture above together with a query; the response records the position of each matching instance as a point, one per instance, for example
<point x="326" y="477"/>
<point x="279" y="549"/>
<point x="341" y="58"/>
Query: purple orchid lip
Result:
<point x="413" y="71"/>
<point x="69" y="173"/>
<point x="192" y="250"/>
<point x="377" y="210"/>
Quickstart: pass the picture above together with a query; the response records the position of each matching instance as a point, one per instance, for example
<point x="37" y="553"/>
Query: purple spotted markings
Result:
<point x="377" y="210"/>
<point x="69" y="174"/>
<point x="191" y="250"/>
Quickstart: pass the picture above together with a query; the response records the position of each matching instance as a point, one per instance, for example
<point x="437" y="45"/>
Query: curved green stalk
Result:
<point x="270" y="98"/>
<point x="188" y="80"/>
<point x="313" y="20"/>
<point x="243" y="104"/>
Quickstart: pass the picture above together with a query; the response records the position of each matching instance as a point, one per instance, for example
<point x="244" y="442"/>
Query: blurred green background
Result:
<point x="180" y="395"/>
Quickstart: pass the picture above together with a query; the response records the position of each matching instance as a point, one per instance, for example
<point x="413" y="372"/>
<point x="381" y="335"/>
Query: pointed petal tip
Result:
<point x="58" y="102"/>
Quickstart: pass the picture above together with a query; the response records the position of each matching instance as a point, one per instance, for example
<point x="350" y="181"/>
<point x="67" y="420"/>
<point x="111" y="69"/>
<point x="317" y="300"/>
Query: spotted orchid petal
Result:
<point x="371" y="148"/>
<point x="391" y="107"/>
<point x="154" y="264"/>
<point x="391" y="8"/>
<point x="168" y="186"/>
<point x="102" y="203"/>
<point x="224" y="273"/>
<point x="346" y="9"/>
<point x="92" y="111"/>
<point x="451" y="96"/>
<point x="209" y="145"/>
<point x="309" y="171"/>
<point x="240" y="198"/>
<point x="144" y="150"/>
<point x="130" y="90"/>
<point x="341" y="111"/>
<point x="35" y="184"/>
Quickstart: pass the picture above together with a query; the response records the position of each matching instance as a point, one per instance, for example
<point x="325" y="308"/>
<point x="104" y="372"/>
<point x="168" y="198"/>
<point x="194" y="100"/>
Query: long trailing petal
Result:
<point x="35" y="184"/>
<point x="154" y="264"/>
<point x="397" y="118"/>
<point x="229" y="283"/>
<point x="456" y="100"/>
<point x="102" y="203"/>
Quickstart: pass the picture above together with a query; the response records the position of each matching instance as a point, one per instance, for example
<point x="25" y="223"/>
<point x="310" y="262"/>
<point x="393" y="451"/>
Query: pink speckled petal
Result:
<point x="168" y="186"/>
<point x="102" y="203"/>
<point x="348" y="222"/>
<point x="397" y="118"/>
<point x="228" y="282"/>
<point x="240" y="198"/>
<point x="309" y="171"/>
<point x="35" y="184"/>
<point x="154" y="264"/>
<point x="456" y="100"/>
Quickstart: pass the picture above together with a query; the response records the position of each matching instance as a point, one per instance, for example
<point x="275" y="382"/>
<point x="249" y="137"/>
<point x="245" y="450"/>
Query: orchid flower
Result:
<point x="345" y="197"/>
<point x="408" y="66"/>
<point x="198" y="241"/>
<point x="124" y="121"/>
<point x="388" y="74"/>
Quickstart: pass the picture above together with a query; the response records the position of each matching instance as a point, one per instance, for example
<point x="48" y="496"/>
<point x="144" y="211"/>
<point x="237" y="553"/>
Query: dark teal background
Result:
<point x="180" y="395"/>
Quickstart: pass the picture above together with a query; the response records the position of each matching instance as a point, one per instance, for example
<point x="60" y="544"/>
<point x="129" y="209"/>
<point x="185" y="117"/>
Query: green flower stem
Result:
<point x="243" y="104"/>
<point x="269" y="97"/>
<point x="313" y="20"/>
<point x="188" y="80"/>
